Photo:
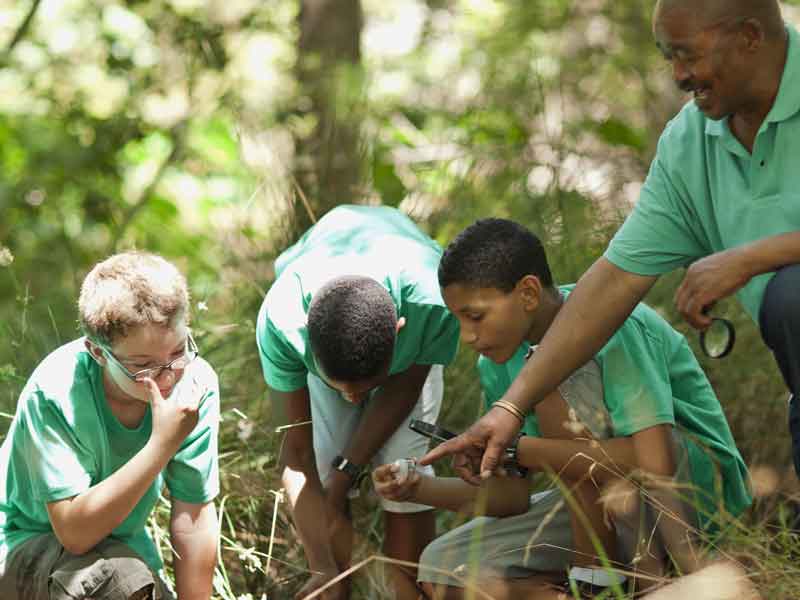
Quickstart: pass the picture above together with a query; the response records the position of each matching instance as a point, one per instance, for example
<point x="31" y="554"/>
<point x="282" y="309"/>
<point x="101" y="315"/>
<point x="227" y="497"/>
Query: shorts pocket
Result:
<point x="78" y="583"/>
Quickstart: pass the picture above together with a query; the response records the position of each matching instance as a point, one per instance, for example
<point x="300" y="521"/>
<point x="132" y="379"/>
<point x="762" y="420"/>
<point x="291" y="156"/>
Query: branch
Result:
<point x="22" y="29"/>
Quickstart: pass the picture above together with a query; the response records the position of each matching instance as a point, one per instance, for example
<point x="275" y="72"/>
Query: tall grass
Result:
<point x="260" y="555"/>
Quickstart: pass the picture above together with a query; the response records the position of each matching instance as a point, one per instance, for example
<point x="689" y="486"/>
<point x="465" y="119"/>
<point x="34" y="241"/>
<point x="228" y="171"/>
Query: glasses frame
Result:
<point x="190" y="353"/>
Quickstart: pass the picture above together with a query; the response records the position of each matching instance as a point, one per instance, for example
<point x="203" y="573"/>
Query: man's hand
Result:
<point x="337" y="591"/>
<point x="479" y="451"/>
<point x="710" y="279"/>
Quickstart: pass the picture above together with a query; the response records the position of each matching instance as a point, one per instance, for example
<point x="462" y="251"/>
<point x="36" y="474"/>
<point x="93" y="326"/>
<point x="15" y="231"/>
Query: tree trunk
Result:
<point x="329" y="70"/>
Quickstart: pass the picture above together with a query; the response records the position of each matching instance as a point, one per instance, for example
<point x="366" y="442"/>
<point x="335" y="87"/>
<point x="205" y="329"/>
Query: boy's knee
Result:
<point x="116" y="576"/>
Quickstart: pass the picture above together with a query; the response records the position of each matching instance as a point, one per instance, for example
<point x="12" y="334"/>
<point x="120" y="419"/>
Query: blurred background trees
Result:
<point x="216" y="131"/>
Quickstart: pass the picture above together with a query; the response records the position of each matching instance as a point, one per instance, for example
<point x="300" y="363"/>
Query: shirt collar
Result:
<point x="787" y="102"/>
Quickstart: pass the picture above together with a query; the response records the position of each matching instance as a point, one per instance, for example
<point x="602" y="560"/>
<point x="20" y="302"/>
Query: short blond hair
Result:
<point x="128" y="290"/>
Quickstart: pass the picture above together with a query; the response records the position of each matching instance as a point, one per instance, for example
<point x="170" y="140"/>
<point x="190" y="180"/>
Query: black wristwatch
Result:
<point x="349" y="468"/>
<point x="511" y="456"/>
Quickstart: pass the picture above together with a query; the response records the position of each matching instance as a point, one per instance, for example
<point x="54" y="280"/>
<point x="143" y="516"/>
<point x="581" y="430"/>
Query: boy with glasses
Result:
<point x="103" y="422"/>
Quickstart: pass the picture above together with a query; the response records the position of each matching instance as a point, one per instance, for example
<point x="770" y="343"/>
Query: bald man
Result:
<point x="722" y="198"/>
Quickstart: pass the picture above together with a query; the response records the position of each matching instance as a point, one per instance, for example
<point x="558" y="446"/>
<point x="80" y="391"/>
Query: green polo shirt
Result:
<point x="64" y="439"/>
<point x="373" y="241"/>
<point x="651" y="377"/>
<point x="705" y="192"/>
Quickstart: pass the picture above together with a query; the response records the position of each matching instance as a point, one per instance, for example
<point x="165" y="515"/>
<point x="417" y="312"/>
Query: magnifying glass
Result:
<point x="717" y="341"/>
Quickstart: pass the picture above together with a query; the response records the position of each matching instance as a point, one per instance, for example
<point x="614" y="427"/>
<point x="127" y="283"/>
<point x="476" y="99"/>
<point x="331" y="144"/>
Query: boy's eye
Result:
<point x="474" y="317"/>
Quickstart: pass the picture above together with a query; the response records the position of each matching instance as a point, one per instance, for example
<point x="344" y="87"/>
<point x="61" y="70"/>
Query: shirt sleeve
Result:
<point x="58" y="465"/>
<point x="636" y="380"/>
<point x="281" y="364"/>
<point x="193" y="473"/>
<point x="663" y="232"/>
<point x="440" y="335"/>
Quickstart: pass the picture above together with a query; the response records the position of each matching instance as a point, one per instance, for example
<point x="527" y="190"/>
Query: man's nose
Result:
<point x="680" y="74"/>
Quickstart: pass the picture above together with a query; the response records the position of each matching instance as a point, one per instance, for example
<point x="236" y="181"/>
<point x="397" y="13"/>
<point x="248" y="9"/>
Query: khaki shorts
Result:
<point x="41" y="569"/>
<point x="334" y="420"/>
<point x="540" y="540"/>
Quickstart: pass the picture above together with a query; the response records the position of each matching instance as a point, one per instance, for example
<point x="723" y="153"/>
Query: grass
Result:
<point x="260" y="556"/>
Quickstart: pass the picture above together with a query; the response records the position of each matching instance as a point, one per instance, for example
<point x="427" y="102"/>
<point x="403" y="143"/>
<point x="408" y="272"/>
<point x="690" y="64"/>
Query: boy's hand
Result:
<point x="173" y="418"/>
<point x="392" y="487"/>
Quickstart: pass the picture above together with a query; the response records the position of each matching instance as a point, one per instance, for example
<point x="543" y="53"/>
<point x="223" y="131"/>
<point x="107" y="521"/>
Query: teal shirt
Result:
<point x="651" y="377"/>
<point x="64" y="439"/>
<point x="705" y="192"/>
<point x="376" y="242"/>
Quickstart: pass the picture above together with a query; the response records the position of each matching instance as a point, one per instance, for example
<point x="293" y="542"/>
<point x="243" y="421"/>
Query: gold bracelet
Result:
<point x="509" y="407"/>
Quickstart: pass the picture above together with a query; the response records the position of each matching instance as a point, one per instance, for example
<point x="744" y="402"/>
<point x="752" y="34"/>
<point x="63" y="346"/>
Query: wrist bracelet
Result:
<point x="509" y="407"/>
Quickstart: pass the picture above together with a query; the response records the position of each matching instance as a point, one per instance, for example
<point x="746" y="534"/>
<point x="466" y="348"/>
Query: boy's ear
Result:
<point x="530" y="290"/>
<point x="96" y="352"/>
<point x="400" y="323"/>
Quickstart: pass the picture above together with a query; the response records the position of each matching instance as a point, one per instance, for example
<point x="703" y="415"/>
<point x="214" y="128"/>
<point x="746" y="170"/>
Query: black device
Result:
<point x="431" y="431"/>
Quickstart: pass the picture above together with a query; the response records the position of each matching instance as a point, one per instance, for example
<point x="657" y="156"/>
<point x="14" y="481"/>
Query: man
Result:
<point x="352" y="336"/>
<point x="721" y="195"/>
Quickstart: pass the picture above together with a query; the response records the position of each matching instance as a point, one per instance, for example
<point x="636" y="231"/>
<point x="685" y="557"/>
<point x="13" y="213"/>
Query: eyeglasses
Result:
<point x="190" y="352"/>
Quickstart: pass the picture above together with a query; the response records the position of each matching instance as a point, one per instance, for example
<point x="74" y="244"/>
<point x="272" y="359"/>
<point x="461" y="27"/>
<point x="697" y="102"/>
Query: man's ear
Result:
<point x="530" y="290"/>
<point x="400" y="323"/>
<point x="752" y="34"/>
<point x="95" y="351"/>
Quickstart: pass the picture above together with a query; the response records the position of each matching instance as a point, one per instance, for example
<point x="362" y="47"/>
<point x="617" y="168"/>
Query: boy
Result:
<point x="642" y="404"/>
<point x="103" y="422"/>
<point x="352" y="336"/>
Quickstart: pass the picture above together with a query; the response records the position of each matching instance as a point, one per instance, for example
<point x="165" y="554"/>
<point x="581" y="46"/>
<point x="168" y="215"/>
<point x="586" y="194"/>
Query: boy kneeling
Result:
<point x="641" y="406"/>
<point x="103" y="422"/>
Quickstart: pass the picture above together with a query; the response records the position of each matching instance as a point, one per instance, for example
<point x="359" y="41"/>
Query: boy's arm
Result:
<point x="577" y="454"/>
<point x="82" y="521"/>
<point x="496" y="497"/>
<point x="193" y="532"/>
<point x="392" y="404"/>
<point x="603" y="460"/>
<point x="301" y="481"/>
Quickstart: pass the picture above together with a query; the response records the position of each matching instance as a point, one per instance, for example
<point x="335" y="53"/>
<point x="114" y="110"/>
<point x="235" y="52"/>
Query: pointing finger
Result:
<point x="453" y="446"/>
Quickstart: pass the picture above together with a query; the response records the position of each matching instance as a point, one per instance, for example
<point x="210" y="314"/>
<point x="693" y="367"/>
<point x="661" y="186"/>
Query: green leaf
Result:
<point x="615" y="132"/>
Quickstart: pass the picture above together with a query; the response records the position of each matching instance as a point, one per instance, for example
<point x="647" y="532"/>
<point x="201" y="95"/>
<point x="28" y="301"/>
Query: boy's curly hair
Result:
<point x="128" y="290"/>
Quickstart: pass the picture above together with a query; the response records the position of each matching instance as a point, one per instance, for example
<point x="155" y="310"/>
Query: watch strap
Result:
<point x="511" y="456"/>
<point x="349" y="468"/>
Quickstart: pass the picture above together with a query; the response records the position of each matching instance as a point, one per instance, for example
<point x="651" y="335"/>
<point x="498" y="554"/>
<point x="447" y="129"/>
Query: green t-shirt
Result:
<point x="651" y="377"/>
<point x="64" y="439"/>
<point x="705" y="192"/>
<point x="376" y="242"/>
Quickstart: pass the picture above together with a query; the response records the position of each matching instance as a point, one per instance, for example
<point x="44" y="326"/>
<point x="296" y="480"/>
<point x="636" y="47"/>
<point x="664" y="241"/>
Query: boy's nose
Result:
<point x="468" y="337"/>
<point x="354" y="397"/>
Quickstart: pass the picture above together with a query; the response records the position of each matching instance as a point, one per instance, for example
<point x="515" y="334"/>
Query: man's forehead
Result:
<point x="677" y="23"/>
<point x="678" y="18"/>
